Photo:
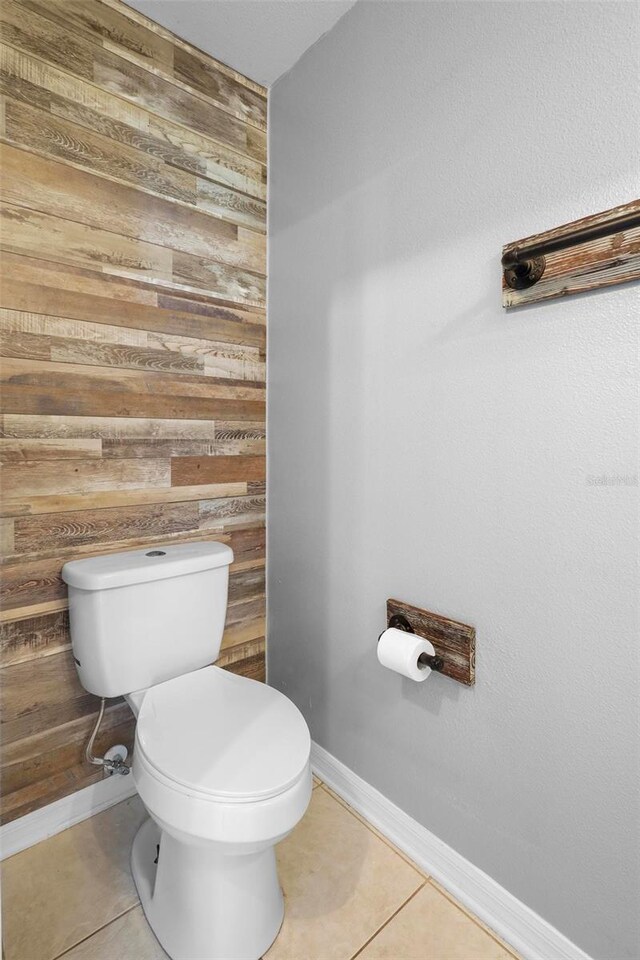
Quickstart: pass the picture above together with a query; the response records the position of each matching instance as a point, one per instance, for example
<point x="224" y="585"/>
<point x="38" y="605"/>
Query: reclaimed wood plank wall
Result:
<point x="133" y="345"/>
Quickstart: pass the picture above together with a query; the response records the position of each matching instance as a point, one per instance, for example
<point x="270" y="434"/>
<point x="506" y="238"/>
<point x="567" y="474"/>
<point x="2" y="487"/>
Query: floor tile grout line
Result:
<point x="428" y="879"/>
<point x="103" y="926"/>
<point x="378" y="834"/>
<point x="485" y="929"/>
<point x="388" y="920"/>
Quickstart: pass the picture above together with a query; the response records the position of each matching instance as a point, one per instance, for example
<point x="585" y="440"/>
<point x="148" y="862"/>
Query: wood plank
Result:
<point x="82" y="377"/>
<point x="15" y="451"/>
<point x="41" y="85"/>
<point x="75" y="731"/>
<point x="116" y="157"/>
<point x="239" y="286"/>
<point x="37" y="36"/>
<point x="178" y="41"/>
<point x="30" y="387"/>
<point x="244" y="584"/>
<point x="63" y="328"/>
<point x="58" y="190"/>
<point x="16" y="426"/>
<point x="207" y="305"/>
<point x="29" y="232"/>
<point x="234" y="439"/>
<point x="228" y="430"/>
<point x="187" y="471"/>
<point x="40" y="477"/>
<point x="225" y="512"/>
<point x="249" y="547"/>
<point x="42" y="692"/>
<point x="33" y="610"/>
<point x="135" y="543"/>
<point x="42" y="792"/>
<point x="242" y="446"/>
<point x="49" y="238"/>
<point x="22" y="506"/>
<point x="62" y="340"/>
<point x="31" y="583"/>
<point x="37" y="130"/>
<point x="241" y="652"/>
<point x="240" y="633"/>
<point x="40" y="636"/>
<point x="186" y="318"/>
<point x="33" y="399"/>
<point x="179" y="448"/>
<point x="204" y="76"/>
<point x="231" y="205"/>
<point x="103" y="526"/>
<point x="6" y="536"/>
<point x="178" y="105"/>
<point x="118" y="33"/>
<point x="455" y="642"/>
<point x="254" y="668"/>
<point x="55" y="276"/>
<point x="110" y="27"/>
<point x="29" y="346"/>
<point x="135" y="449"/>
<point x="242" y="613"/>
<point x="138" y="290"/>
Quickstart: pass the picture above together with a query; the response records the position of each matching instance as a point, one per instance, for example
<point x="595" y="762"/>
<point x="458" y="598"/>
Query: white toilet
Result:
<point x="221" y="762"/>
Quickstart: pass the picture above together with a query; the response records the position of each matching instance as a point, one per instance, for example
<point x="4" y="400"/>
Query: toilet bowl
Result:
<point x="221" y="763"/>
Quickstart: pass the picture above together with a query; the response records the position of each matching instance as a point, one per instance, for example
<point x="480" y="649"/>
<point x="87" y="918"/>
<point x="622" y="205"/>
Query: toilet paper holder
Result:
<point x="427" y="659"/>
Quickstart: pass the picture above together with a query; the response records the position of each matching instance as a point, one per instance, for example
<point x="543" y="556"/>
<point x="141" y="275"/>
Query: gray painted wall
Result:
<point x="426" y="445"/>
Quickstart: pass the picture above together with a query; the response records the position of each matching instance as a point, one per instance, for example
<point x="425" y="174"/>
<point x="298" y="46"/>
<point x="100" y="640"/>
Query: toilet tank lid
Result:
<point x="143" y="566"/>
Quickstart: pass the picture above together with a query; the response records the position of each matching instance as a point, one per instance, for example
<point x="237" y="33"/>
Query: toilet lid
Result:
<point x="216" y="733"/>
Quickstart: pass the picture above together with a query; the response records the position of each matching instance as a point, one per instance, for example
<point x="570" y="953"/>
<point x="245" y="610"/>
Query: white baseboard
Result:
<point x="34" y="827"/>
<point x="515" y="923"/>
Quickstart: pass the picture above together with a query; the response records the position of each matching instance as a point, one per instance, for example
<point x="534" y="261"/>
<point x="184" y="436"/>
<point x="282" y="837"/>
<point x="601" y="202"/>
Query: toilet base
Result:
<point x="203" y="904"/>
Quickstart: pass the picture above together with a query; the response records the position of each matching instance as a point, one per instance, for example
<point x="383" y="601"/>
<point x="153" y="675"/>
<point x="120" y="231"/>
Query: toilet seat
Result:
<point x="221" y="759"/>
<point x="222" y="737"/>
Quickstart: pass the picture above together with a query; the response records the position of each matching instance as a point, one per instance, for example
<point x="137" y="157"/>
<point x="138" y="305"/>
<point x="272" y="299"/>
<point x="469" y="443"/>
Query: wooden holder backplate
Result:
<point x="454" y="642"/>
<point x="597" y="263"/>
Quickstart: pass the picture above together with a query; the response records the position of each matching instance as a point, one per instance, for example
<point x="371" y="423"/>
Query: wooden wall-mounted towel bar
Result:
<point x="597" y="251"/>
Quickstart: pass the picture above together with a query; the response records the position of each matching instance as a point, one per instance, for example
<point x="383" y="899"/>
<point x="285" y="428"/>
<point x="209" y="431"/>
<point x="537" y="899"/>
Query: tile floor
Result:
<point x="348" y="894"/>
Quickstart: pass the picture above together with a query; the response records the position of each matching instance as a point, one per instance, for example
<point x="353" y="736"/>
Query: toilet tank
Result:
<point x="144" y="616"/>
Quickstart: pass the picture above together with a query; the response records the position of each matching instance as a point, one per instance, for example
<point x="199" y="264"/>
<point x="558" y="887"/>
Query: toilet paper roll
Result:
<point x="399" y="651"/>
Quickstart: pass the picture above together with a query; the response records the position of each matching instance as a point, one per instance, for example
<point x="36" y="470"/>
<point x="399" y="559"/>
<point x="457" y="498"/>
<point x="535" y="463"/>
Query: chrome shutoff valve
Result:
<point x="115" y="761"/>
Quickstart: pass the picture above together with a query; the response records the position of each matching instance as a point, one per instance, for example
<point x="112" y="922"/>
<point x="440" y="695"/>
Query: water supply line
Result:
<point x="115" y="764"/>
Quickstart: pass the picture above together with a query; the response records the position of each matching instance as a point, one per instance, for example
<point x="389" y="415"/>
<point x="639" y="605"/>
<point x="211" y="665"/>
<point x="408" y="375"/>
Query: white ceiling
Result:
<point x="262" y="39"/>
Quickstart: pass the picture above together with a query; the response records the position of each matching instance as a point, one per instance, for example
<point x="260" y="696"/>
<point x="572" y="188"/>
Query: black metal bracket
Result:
<point x="521" y="275"/>
<point x="426" y="659"/>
